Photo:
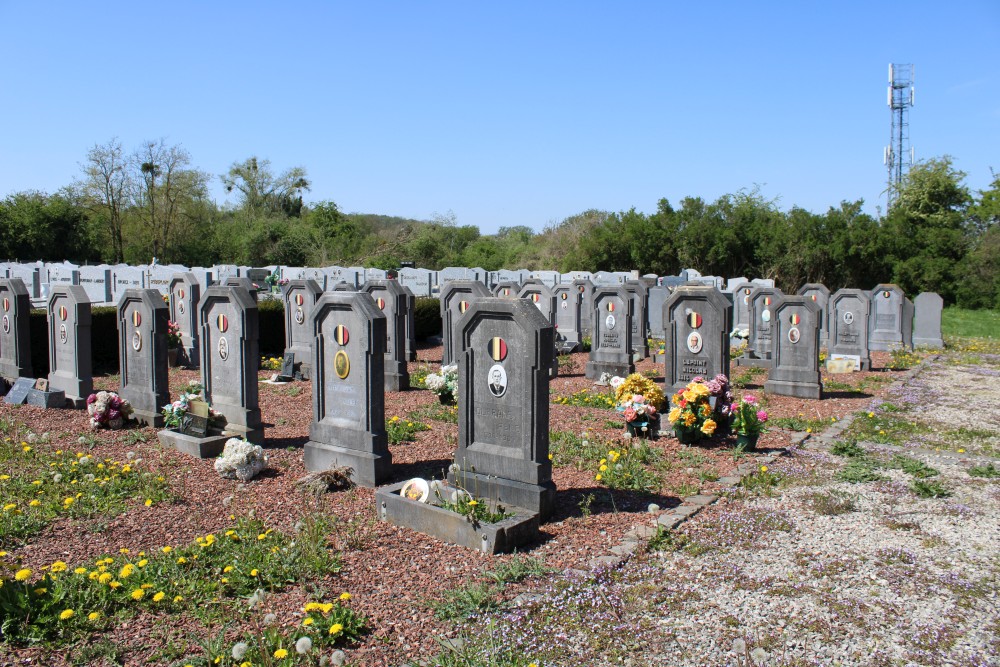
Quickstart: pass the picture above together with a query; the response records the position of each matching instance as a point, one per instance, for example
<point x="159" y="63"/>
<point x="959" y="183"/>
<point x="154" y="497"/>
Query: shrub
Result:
<point x="427" y="318"/>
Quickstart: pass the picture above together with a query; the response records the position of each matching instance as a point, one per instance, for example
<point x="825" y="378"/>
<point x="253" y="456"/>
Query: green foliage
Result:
<point x="427" y="318"/>
<point x="586" y="399"/>
<point x="461" y="603"/>
<point x="860" y="471"/>
<point x="848" y="448"/>
<point x="517" y="569"/>
<point x="912" y="466"/>
<point x="799" y="424"/>
<point x="626" y="468"/>
<point x="988" y="470"/>
<point x="832" y="502"/>
<point x="403" y="430"/>
<point x="929" y="489"/>
<point x="761" y="481"/>
<point x="964" y="323"/>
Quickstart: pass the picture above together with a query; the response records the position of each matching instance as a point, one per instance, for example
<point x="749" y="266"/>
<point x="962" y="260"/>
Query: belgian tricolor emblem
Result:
<point x="63" y="313"/>
<point x="498" y="349"/>
<point x="6" y="304"/>
<point x="299" y="299"/>
<point x="463" y="306"/>
<point x="380" y="302"/>
<point x="611" y="306"/>
<point x="136" y="318"/>
<point x="694" y="320"/>
<point x="535" y="297"/>
<point x="795" y="318"/>
<point x="506" y="291"/>
<point x="767" y="301"/>
<point x="564" y="296"/>
<point x="813" y="297"/>
<point x="180" y="293"/>
<point x="886" y="294"/>
<point x="223" y="322"/>
<point x="341" y="335"/>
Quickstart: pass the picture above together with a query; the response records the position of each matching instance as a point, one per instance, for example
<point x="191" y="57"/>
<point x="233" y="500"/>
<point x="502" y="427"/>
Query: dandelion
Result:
<point x="80" y="570"/>
<point x="345" y="596"/>
<point x="307" y="620"/>
<point x="105" y="578"/>
<point x="763" y="468"/>
<point x="280" y="653"/>
<point x="94" y="616"/>
<point x="254" y="572"/>
<point x="126" y="571"/>
<point x="269" y="619"/>
<point x="9" y="506"/>
<point x="23" y="575"/>
<point x="178" y="599"/>
<point x="182" y="560"/>
<point x="115" y="585"/>
<point x="167" y="550"/>
<point x="336" y="629"/>
<point x="598" y="478"/>
<point x="239" y="650"/>
<point x="149" y="502"/>
<point x="159" y="596"/>
<point x="138" y="594"/>
<point x="66" y="614"/>
<point x="303" y="645"/>
<point x="143" y="563"/>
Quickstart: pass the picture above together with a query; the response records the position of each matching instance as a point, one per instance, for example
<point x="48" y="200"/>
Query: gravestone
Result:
<point x="63" y="273"/>
<point x="257" y="276"/>
<point x="849" y="311"/>
<point x="607" y="279"/>
<point x="450" y="273"/>
<point x="30" y="274"/>
<point x="456" y="297"/>
<point x="503" y="420"/>
<point x="568" y="314"/>
<point x="203" y="276"/>
<point x="222" y="272"/>
<point x="142" y="345"/>
<point x="818" y="293"/>
<point x="417" y="281"/>
<point x="348" y="427"/>
<point x="230" y="358"/>
<point x="796" y="348"/>
<point x="763" y="282"/>
<point x="697" y="321"/>
<point x="245" y="283"/>
<point x="573" y="276"/>
<point x="19" y="392"/>
<point x="548" y="278"/>
<point x="293" y="273"/>
<point x="70" y="357"/>
<point x="300" y="297"/>
<point x="344" y="286"/>
<point x="760" y="347"/>
<point x="671" y="282"/>
<point x="506" y="276"/>
<point x="733" y="283"/>
<point x="411" y="325"/>
<point x="927" y="320"/>
<point x="741" y="308"/>
<point x="15" y="332"/>
<point x="586" y="289"/>
<point x="96" y="281"/>
<point x="690" y="274"/>
<point x="158" y="278"/>
<point x="124" y="278"/>
<point x="506" y="290"/>
<point x="392" y="301"/>
<point x="657" y="297"/>
<point x="185" y="299"/>
<point x="542" y="297"/>
<point x="611" y="344"/>
<point x="639" y="294"/>
<point x="890" y="320"/>
<point x="316" y="275"/>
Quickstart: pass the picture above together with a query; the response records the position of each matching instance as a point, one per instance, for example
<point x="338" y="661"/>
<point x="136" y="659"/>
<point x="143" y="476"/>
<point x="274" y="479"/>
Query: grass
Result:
<point x="746" y="377"/>
<point x="465" y="601"/>
<point x="988" y="470"/>
<point x="929" y="489"/>
<point x="517" y="569"/>
<point x="963" y="323"/>
<point x="860" y="471"/>
<point x="848" y="448"/>
<point x="912" y="466"/>
<point x="586" y="399"/>
<point x="401" y="430"/>
<point x="799" y="424"/>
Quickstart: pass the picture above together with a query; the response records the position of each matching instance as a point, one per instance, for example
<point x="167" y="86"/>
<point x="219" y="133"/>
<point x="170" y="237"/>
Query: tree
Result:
<point x="261" y="192"/>
<point x="105" y="189"/>
<point x="34" y="225"/>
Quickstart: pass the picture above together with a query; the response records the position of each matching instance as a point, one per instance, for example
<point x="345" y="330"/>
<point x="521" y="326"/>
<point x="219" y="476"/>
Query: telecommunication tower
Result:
<point x="898" y="155"/>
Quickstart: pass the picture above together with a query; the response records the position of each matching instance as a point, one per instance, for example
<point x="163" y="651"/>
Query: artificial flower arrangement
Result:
<point x="693" y="413"/>
<point x="173" y="335"/>
<point x="748" y="417"/>
<point x="721" y="396"/>
<point x="744" y="337"/>
<point x="639" y="399"/>
<point x="174" y="412"/>
<point x="108" y="410"/>
<point x="445" y="383"/>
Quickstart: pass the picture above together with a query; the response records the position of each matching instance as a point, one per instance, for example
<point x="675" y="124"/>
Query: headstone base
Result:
<point x="928" y="342"/>
<point x="596" y="368"/>
<point x="534" y="498"/>
<point x="203" y="448"/>
<point x="753" y="362"/>
<point x="396" y="381"/>
<point x="47" y="399"/>
<point x="154" y="419"/>
<point x="494" y="538"/>
<point x="369" y="469"/>
<point x="253" y="435"/>
<point x="305" y="370"/>
<point x="796" y="389"/>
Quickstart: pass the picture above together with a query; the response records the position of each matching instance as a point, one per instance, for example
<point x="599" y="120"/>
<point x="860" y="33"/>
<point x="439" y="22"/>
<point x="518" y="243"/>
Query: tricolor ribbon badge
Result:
<point x="380" y="302"/>
<point x="694" y="319"/>
<point x="63" y="313"/>
<point x="795" y="318"/>
<point x="136" y="318"/>
<point x="463" y="306"/>
<point x="223" y="323"/>
<point x="611" y="307"/>
<point x="498" y="349"/>
<point x="299" y="299"/>
<point x="341" y="335"/>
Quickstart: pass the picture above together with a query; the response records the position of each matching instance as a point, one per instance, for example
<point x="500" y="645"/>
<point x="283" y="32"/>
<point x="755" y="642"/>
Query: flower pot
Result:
<point x="446" y="399"/>
<point x="635" y="429"/>
<point x="747" y="442"/>
<point x="687" y="436"/>
<point x="172" y="358"/>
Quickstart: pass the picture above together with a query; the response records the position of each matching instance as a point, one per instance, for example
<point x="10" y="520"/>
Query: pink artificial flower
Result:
<point x="651" y="410"/>
<point x="630" y="414"/>
<point x="761" y="416"/>
<point x="638" y="398"/>
<point x="749" y="399"/>
<point x="697" y="378"/>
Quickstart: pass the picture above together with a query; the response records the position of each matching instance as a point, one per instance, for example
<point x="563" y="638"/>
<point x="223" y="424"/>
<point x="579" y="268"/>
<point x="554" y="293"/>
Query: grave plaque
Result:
<point x="639" y="295"/>
<point x="927" y="322"/>
<point x="230" y="358"/>
<point x="697" y="322"/>
<point x="96" y="280"/>
<point x="348" y="427"/>
<point x="300" y="298"/>
<point x="18" y="393"/>
<point x="392" y="301"/>
<point x="818" y="293"/>
<point x="539" y="294"/>
<point x="506" y="290"/>
<point x="15" y="334"/>
<point x="69" y="322"/>
<point x="456" y="297"/>
<point x="503" y="420"/>
<point x="287" y="373"/>
<point x="886" y="322"/>
<point x="245" y="283"/>
<point x="586" y="289"/>
<point x="796" y="348"/>
<point x="760" y="346"/>
<point x="195" y="420"/>
<point x="849" y="310"/>
<point x="417" y="281"/>
<point x="657" y="297"/>
<point x="411" y="325"/>
<point x="142" y="345"/>
<point x="611" y="344"/>
<point x="568" y="314"/>
<point x="185" y="298"/>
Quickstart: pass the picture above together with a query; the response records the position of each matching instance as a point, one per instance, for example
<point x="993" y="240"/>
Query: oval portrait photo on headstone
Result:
<point x="695" y="342"/>
<point x="180" y="307"/>
<point x="793" y="335"/>
<point x="223" y="348"/>
<point x="610" y="322"/>
<point x="136" y="340"/>
<point x="300" y="316"/>
<point x="848" y="317"/>
<point x="63" y="335"/>
<point x="341" y="364"/>
<point x="498" y="380"/>
<point x="765" y="315"/>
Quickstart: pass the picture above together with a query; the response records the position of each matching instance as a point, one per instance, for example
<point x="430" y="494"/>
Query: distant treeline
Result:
<point x="938" y="236"/>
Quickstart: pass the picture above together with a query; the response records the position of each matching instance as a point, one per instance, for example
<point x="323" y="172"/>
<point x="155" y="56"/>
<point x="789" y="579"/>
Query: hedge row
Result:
<point x="104" y="333"/>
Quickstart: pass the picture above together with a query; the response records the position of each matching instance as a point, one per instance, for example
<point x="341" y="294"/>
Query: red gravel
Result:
<point x="390" y="572"/>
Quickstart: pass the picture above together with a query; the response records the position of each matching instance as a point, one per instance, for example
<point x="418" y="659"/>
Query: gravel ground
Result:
<point x="391" y="572"/>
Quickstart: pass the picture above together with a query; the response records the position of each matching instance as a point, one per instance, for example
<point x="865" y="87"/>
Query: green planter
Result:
<point x="687" y="436"/>
<point x="747" y="442"/>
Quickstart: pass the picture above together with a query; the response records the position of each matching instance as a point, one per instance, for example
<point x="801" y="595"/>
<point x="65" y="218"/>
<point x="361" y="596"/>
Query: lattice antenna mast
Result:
<point x="898" y="155"/>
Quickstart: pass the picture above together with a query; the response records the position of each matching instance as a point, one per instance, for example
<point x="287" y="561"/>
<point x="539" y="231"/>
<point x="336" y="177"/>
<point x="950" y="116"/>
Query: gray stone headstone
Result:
<point x="741" y="308"/>
<point x="411" y="325"/>
<point x="586" y="289"/>
<point x="391" y="299"/>
<point x="316" y="275"/>
<point x="796" y="348"/>
<point x="849" y="314"/>
<point x="889" y="319"/>
<point x="15" y="332"/>
<point x="344" y="286"/>
<point x="230" y="358"/>
<point x="569" y="311"/>
<point x="450" y="273"/>
<point x="671" y="282"/>
<point x="456" y="297"/>
<point x="763" y="282"/>
<point x="639" y="294"/>
<point x="417" y="281"/>
<point x="142" y="345"/>
<point x="360" y="275"/>
<point x="697" y="322"/>
<point x="225" y="271"/>
<point x="611" y="344"/>
<point x="818" y="293"/>
<point x="690" y="274"/>
<point x="607" y="279"/>
<point x="158" y="278"/>
<point x="657" y="297"/>
<point x="292" y="273"/>
<point x="258" y="276"/>
<point x="18" y="393"/>
<point x="124" y="278"/>
<point x="348" y="427"/>
<point x="245" y="283"/>
<point x="573" y="276"/>
<point x="761" y="344"/>
<point x="542" y="297"/>
<point x="503" y="419"/>
<point x="548" y="278"/>
<point x="733" y="283"/>
<point x="30" y="274"/>
<point x="506" y="290"/>
<point x="300" y="298"/>
<point x="96" y="281"/>
<point x="506" y="276"/>
<point x="70" y="356"/>
<point x="927" y="321"/>
<point x="185" y="299"/>
<point x="63" y="273"/>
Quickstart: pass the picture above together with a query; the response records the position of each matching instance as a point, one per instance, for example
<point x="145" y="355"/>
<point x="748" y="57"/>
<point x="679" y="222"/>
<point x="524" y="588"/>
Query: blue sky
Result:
<point x="510" y="113"/>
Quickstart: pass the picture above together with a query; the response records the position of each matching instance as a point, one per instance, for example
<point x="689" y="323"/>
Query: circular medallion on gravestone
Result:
<point x="848" y="317"/>
<point x="694" y="342"/>
<point x="136" y="340"/>
<point x="498" y="349"/>
<point x="886" y="294"/>
<point x="565" y="305"/>
<point x="180" y="307"/>
<point x="694" y="319"/>
<point x="535" y="297"/>
<point x="794" y="335"/>
<point x="582" y="288"/>
<point x="416" y="489"/>
<point x="223" y="323"/>
<point x="300" y="317"/>
<point x="380" y="302"/>
<point x="223" y="348"/>
<point x="813" y="296"/>
<point x="765" y="315"/>
<point x="610" y="322"/>
<point x="6" y="324"/>
<point x="63" y="313"/>
<point x="63" y="335"/>
<point x="463" y="306"/>
<point x="498" y="380"/>
<point x="506" y="291"/>
<point x="136" y="318"/>
<point x="341" y="364"/>
<point x="341" y="335"/>
<point x="794" y="319"/>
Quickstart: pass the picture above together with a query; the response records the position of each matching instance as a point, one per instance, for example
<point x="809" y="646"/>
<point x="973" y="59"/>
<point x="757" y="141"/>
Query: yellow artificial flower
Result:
<point x="708" y="428"/>
<point x="674" y="415"/>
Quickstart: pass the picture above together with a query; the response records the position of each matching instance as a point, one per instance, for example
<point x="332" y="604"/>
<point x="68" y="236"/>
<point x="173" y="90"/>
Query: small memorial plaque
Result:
<point x="19" y="392"/>
<point x="41" y="384"/>
<point x="195" y="420"/>
<point x="288" y="365"/>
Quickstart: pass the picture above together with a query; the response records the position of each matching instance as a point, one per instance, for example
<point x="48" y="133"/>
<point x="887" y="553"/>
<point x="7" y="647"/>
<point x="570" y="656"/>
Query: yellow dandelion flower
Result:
<point x="58" y="566"/>
<point x="143" y="563"/>
<point x="598" y="478"/>
<point x="105" y="578"/>
<point x="280" y="653"/>
<point x="159" y="596"/>
<point x="178" y="598"/>
<point x="94" y="616"/>
<point x="336" y="629"/>
<point x="182" y="560"/>
<point x="138" y="594"/>
<point x="23" y="575"/>
<point x="80" y="570"/>
<point x="35" y="503"/>
<point x="307" y="620"/>
<point x="763" y="468"/>
<point x="115" y="585"/>
<point x="254" y="572"/>
<point x="167" y="550"/>
<point x="148" y="503"/>
<point x="66" y="614"/>
<point x="345" y="596"/>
